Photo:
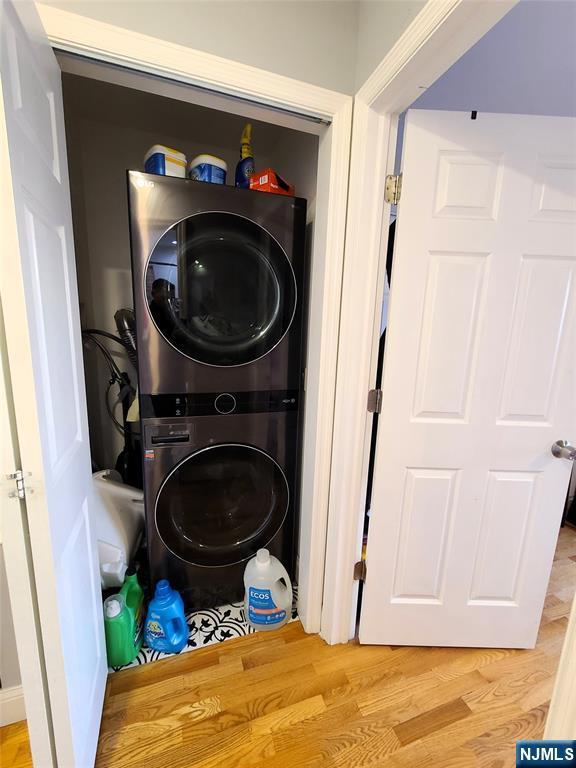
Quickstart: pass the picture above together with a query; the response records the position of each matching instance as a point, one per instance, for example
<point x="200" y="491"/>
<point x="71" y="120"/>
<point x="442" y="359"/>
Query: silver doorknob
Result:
<point x="563" y="450"/>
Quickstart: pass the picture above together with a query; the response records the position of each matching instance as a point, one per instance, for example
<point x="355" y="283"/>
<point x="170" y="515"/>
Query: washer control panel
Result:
<point x="223" y="403"/>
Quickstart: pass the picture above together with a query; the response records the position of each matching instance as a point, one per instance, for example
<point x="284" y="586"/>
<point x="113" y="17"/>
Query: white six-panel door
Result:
<point x="40" y="303"/>
<point x="479" y="381"/>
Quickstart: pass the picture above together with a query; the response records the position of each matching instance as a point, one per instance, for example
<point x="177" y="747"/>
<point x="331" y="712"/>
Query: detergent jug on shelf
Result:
<point x="166" y="628"/>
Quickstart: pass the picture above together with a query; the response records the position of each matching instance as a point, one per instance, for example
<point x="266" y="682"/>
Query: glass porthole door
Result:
<point x="221" y="504"/>
<point x="220" y="289"/>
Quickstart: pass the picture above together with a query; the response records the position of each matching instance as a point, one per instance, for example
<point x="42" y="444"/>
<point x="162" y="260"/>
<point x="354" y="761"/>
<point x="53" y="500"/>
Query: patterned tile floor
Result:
<point x="206" y="627"/>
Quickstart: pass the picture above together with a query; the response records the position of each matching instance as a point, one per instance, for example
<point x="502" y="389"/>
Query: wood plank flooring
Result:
<point x="287" y="700"/>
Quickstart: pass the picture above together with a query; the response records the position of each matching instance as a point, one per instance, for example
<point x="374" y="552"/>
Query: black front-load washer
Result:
<point x="219" y="487"/>
<point x="218" y="276"/>
<point x="219" y="287"/>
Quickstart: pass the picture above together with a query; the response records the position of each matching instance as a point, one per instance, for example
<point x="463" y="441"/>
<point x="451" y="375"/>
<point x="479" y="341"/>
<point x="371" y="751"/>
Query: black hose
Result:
<point x="116" y="376"/>
<point x="126" y="325"/>
<point x="97" y="332"/>
<point x="126" y="339"/>
<point x="117" y="424"/>
<point x="113" y="367"/>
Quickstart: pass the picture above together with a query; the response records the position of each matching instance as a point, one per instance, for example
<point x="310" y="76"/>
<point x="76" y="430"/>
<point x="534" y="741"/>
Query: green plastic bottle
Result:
<point x="123" y="621"/>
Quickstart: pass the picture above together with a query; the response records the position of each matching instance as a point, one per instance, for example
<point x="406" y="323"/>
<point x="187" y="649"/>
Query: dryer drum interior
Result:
<point x="221" y="504"/>
<point x="220" y="289"/>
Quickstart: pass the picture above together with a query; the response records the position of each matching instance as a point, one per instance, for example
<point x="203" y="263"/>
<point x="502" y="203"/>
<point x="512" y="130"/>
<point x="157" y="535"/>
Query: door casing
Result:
<point x="442" y="32"/>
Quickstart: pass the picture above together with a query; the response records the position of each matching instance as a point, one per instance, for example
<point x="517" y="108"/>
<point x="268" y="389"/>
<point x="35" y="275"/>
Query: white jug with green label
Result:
<point x="268" y="600"/>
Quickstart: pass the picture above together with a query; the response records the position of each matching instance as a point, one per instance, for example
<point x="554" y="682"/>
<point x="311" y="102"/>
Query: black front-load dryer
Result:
<point x="218" y="487"/>
<point x="218" y="276"/>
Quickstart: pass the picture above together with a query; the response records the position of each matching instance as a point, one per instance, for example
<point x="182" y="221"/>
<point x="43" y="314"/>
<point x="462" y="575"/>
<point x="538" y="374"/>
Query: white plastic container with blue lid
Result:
<point x="208" y="168"/>
<point x="165" y="161"/>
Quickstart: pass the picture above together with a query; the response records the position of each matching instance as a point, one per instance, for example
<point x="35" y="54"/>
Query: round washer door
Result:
<point x="221" y="504"/>
<point x="220" y="289"/>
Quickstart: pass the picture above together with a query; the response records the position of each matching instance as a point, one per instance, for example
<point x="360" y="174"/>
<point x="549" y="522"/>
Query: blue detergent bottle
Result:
<point x="166" y="629"/>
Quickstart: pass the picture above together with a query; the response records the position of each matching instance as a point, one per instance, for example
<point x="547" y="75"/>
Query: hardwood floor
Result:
<point x="287" y="700"/>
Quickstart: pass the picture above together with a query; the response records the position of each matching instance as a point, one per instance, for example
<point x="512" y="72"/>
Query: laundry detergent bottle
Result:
<point x="245" y="167"/>
<point x="134" y="596"/>
<point x="166" y="629"/>
<point x="123" y="622"/>
<point x="268" y="601"/>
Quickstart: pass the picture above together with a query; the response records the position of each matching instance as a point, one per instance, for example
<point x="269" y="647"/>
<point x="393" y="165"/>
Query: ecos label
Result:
<point x="262" y="609"/>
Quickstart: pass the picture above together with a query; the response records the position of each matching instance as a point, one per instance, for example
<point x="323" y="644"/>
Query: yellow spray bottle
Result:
<point x="245" y="167"/>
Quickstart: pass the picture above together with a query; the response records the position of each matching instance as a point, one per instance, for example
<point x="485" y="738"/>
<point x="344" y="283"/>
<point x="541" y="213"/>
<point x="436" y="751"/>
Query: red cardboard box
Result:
<point x="269" y="181"/>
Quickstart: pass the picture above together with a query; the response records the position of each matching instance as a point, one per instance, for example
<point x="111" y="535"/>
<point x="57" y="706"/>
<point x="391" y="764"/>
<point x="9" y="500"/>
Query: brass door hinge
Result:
<point x="360" y="570"/>
<point x="375" y="401"/>
<point x="393" y="189"/>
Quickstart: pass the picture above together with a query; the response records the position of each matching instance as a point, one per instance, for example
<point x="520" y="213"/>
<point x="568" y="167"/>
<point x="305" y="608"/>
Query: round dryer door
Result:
<point x="218" y="506"/>
<point x="220" y="289"/>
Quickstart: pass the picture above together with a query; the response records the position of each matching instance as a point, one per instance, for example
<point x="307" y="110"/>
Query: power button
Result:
<point x="225" y="403"/>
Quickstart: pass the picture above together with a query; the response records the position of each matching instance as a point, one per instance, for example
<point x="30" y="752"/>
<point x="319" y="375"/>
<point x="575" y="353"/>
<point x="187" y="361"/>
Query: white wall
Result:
<point x="108" y="130"/>
<point x="380" y="24"/>
<point x="332" y="43"/>
<point x="308" y="40"/>
<point x="524" y="65"/>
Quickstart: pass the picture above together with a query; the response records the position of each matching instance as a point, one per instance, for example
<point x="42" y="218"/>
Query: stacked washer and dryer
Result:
<point x="219" y="294"/>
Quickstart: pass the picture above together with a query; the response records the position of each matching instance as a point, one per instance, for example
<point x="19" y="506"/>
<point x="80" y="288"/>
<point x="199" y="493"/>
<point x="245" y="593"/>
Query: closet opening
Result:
<point x="112" y="118"/>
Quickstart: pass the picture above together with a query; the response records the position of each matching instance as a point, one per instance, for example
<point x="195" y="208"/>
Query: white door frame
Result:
<point x="438" y="36"/>
<point x="114" y="45"/>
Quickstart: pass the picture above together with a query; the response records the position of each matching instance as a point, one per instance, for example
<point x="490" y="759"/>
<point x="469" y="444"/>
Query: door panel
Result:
<point x="428" y="501"/>
<point x="39" y="295"/>
<point x="447" y="346"/>
<point x="479" y="381"/>
<point x="498" y="559"/>
<point x="532" y="361"/>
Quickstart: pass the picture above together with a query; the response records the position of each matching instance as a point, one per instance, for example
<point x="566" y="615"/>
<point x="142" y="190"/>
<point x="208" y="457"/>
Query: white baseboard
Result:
<point x="12" y="705"/>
